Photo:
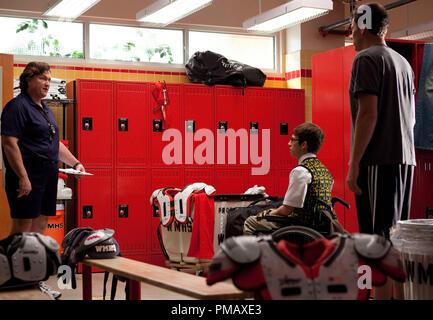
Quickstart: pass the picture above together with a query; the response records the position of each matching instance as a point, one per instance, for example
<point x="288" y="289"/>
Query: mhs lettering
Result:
<point x="106" y="248"/>
<point x="55" y="226"/>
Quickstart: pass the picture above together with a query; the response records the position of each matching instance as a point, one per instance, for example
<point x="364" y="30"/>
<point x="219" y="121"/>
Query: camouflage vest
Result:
<point x="319" y="188"/>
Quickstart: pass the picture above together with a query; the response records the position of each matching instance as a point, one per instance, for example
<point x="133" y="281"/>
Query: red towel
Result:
<point x="201" y="245"/>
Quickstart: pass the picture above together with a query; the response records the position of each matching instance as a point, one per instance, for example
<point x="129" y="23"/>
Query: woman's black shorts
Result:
<point x="41" y="200"/>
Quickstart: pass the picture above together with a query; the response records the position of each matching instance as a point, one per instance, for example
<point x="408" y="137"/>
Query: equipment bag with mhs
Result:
<point x="212" y="68"/>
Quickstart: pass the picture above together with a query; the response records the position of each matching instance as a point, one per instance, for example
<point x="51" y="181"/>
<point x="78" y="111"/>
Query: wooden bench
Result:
<point x="177" y="281"/>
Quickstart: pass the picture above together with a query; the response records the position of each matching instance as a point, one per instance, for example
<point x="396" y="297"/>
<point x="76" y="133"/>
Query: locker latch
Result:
<point x="123" y="211"/>
<point x="222" y="126"/>
<point x="157" y="125"/>
<point x="284" y="129"/>
<point x="87" y="124"/>
<point x="87" y="212"/>
<point x="254" y="128"/>
<point x="155" y="211"/>
<point x="190" y="126"/>
<point x="123" y="124"/>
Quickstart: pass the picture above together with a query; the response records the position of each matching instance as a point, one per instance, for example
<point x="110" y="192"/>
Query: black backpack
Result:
<point x="237" y="216"/>
<point x="211" y="68"/>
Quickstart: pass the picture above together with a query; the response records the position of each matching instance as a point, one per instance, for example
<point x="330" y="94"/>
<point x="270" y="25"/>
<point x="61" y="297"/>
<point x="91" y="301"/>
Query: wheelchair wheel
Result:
<point x="296" y="234"/>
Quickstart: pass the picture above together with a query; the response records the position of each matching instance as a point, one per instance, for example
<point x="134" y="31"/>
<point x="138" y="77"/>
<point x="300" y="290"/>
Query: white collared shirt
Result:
<point x="299" y="180"/>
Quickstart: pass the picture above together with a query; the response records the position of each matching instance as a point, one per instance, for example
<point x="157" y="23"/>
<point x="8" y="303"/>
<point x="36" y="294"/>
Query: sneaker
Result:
<point x="50" y="292"/>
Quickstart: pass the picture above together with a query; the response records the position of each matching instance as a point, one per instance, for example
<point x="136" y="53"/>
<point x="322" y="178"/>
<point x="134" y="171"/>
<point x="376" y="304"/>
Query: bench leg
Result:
<point x="134" y="290"/>
<point x="87" y="282"/>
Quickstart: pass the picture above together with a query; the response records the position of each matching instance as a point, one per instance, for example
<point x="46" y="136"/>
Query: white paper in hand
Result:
<point x="76" y="172"/>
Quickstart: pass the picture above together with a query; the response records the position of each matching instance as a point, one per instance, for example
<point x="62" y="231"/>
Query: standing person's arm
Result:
<point x="364" y="127"/>
<point x="68" y="158"/>
<point x="15" y="160"/>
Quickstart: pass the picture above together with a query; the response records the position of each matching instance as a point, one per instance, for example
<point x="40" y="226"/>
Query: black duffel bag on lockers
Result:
<point x="211" y="68"/>
<point x="237" y="216"/>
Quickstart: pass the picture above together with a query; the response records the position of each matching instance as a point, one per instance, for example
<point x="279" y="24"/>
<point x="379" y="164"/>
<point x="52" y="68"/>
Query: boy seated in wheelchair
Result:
<point x="310" y="181"/>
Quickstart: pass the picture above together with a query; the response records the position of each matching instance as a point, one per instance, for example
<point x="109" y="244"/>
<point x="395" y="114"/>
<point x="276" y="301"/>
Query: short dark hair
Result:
<point x="311" y="133"/>
<point x="379" y="18"/>
<point x="32" y="69"/>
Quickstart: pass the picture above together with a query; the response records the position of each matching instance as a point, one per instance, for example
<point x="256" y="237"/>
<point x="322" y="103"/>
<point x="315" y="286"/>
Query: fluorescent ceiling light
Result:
<point x="70" y="9"/>
<point x="287" y="15"/>
<point x="164" y="12"/>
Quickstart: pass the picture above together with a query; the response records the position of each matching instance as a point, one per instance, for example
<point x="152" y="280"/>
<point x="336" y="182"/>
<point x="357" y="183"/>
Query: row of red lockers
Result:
<point x="119" y="140"/>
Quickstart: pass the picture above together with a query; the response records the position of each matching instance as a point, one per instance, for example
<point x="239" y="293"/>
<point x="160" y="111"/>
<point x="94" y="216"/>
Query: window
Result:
<point x="256" y="51"/>
<point x="41" y="37"/>
<point x="135" y="44"/>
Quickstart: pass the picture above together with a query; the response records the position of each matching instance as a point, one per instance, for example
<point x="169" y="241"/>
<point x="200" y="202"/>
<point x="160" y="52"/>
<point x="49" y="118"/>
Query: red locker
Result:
<point x="282" y="179"/>
<point x="198" y="174"/>
<point x="290" y="112"/>
<point x="259" y="118"/>
<point x="229" y="114"/>
<point x="157" y="126"/>
<point x="131" y="211"/>
<point x="198" y="122"/>
<point x="267" y="181"/>
<point x="232" y="180"/>
<point x="350" y="215"/>
<point x="131" y="123"/>
<point x="94" y="126"/>
<point x="95" y="199"/>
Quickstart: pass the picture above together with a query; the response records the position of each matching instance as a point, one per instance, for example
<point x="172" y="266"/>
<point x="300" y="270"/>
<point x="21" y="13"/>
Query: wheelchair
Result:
<point x="297" y="232"/>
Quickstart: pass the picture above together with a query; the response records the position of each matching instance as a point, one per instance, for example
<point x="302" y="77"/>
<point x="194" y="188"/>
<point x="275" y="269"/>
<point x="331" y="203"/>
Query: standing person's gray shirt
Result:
<point x="381" y="71"/>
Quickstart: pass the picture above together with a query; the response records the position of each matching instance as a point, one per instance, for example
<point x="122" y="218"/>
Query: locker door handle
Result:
<point x="190" y="126"/>
<point x="156" y="212"/>
<point x="222" y="126"/>
<point x="87" y="124"/>
<point x="123" y="211"/>
<point x="284" y="129"/>
<point x="157" y="125"/>
<point x="254" y="128"/>
<point x="87" y="212"/>
<point x="123" y="124"/>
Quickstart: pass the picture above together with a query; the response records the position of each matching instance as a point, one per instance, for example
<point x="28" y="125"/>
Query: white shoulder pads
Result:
<point x="153" y="196"/>
<point x="242" y="249"/>
<point x="182" y="199"/>
<point x="5" y="271"/>
<point x="29" y="261"/>
<point x="371" y="246"/>
<point x="221" y="268"/>
<point x="48" y="242"/>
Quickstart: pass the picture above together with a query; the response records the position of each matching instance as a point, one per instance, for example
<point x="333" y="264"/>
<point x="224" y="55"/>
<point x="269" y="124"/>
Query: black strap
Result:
<point x="52" y="128"/>
<point x="161" y="243"/>
<point x="104" y="292"/>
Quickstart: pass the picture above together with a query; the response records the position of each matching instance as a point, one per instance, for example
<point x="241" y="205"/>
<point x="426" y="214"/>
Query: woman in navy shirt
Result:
<point x="31" y="149"/>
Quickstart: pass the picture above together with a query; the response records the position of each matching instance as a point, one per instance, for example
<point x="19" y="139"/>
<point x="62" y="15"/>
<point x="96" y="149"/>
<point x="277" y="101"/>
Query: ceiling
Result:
<point x="221" y="13"/>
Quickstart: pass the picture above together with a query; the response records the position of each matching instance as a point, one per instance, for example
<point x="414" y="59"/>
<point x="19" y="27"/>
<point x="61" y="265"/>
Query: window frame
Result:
<point x="278" y="53"/>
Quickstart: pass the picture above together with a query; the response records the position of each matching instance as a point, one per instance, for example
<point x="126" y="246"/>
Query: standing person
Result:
<point x="309" y="181"/>
<point x="31" y="149"/>
<point x="382" y="99"/>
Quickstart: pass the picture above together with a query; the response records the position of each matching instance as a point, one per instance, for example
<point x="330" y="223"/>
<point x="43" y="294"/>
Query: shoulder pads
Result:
<point x="5" y="271"/>
<point x="28" y="259"/>
<point x="371" y="246"/>
<point x="48" y="242"/>
<point x="242" y="249"/>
